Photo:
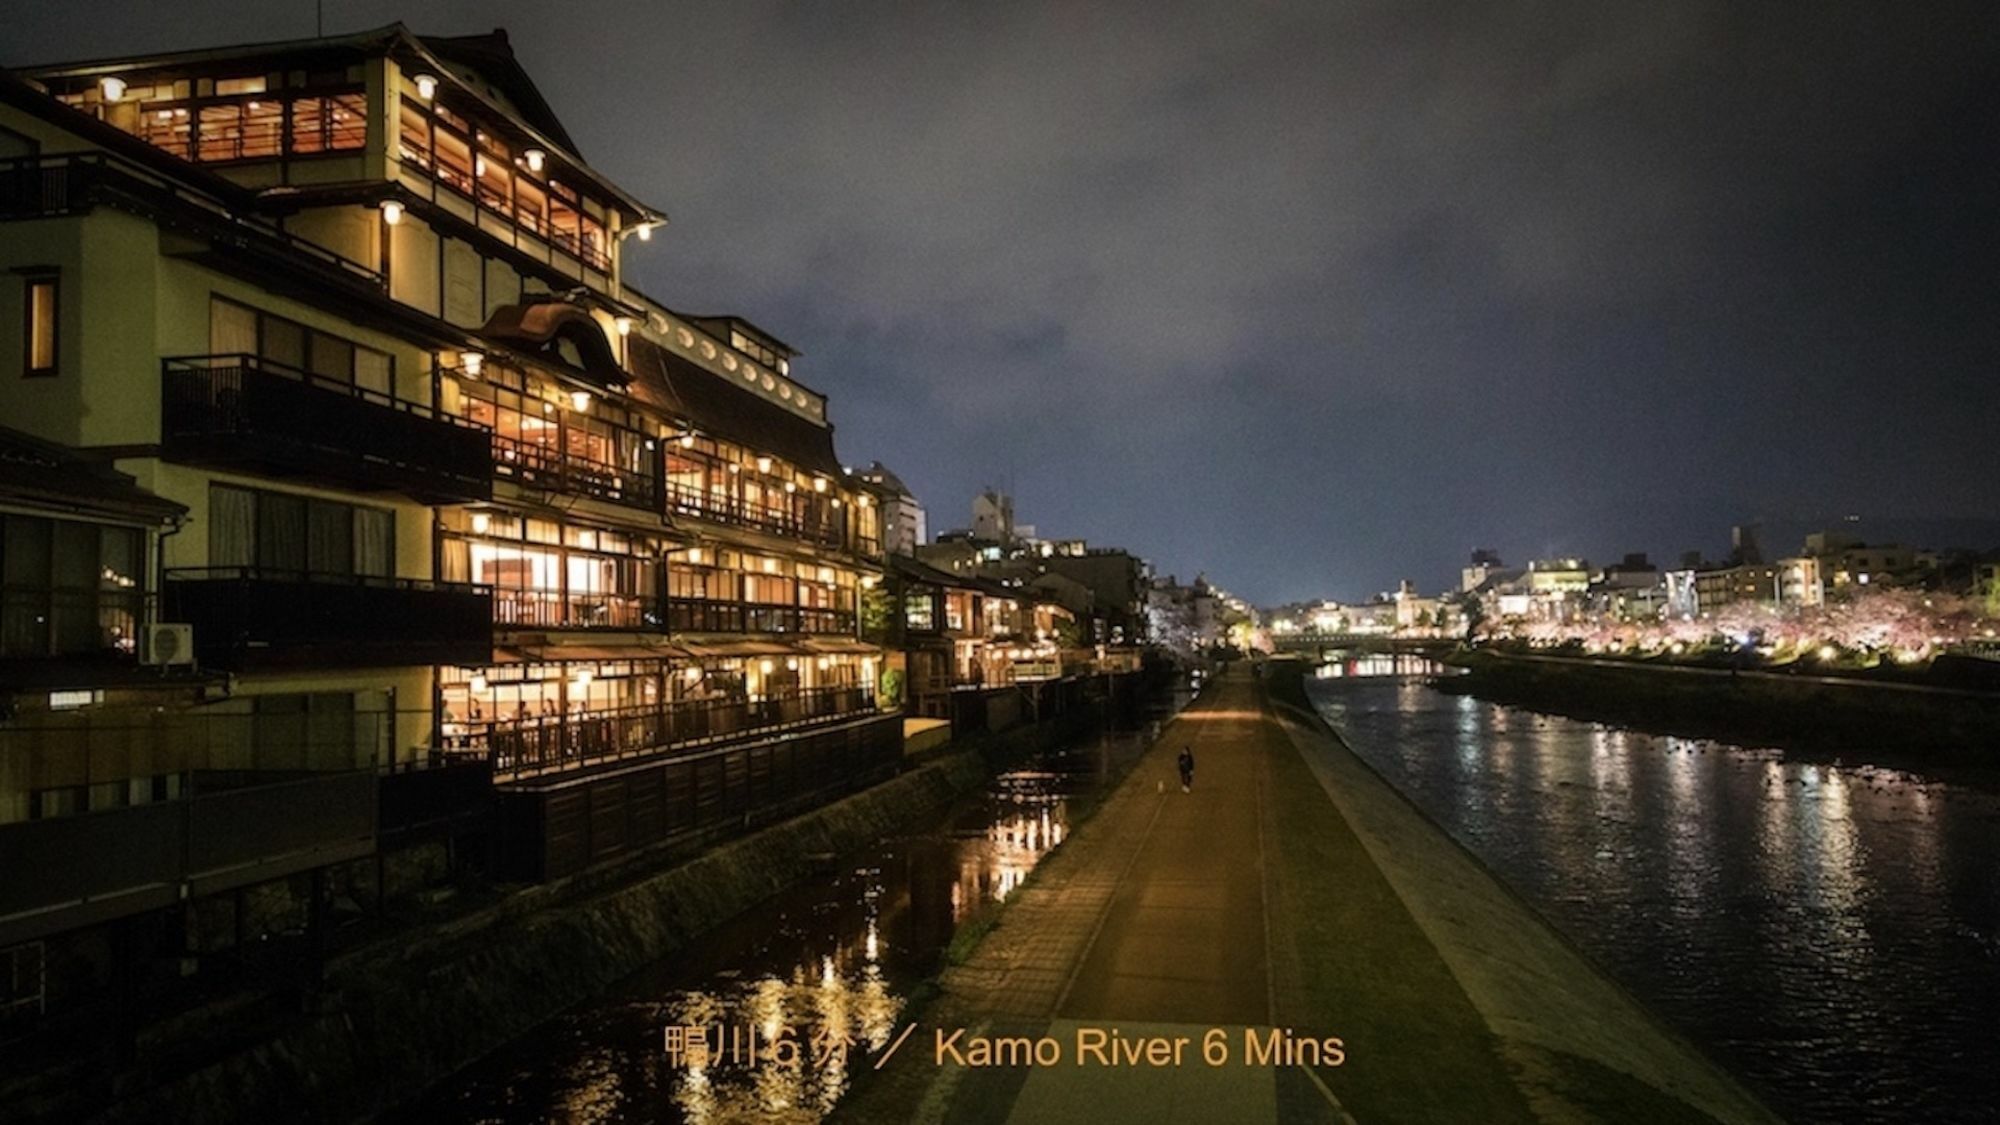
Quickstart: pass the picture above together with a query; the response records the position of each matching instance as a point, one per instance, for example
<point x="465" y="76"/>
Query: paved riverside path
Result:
<point x="1250" y="907"/>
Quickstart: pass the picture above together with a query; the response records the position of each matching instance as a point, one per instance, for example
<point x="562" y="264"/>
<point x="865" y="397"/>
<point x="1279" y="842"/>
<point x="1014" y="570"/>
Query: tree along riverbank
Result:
<point x="1817" y="714"/>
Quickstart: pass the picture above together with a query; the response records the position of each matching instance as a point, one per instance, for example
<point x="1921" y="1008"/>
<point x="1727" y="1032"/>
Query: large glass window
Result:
<point x="920" y="609"/>
<point x="235" y="329"/>
<point x="329" y="124"/>
<point x="548" y="576"/>
<point x="505" y="183"/>
<point x="240" y="130"/>
<point x="242" y="117"/>
<point x="281" y="532"/>
<point x="598" y="453"/>
<point x="69" y="587"/>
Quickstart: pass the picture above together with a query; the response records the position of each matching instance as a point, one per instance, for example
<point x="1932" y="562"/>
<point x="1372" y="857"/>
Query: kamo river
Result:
<point x="1827" y="931"/>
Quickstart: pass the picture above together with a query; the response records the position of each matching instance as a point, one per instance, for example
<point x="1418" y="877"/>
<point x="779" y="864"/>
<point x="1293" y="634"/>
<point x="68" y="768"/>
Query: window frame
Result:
<point x="262" y="547"/>
<point x="33" y="280"/>
<point x="307" y="336"/>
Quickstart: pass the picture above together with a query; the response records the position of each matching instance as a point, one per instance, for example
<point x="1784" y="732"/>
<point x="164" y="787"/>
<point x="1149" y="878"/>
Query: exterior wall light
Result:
<point x="624" y="325"/>
<point x="112" y="87"/>
<point x="480" y="522"/>
<point x="469" y="363"/>
<point x="392" y="211"/>
<point x="687" y="441"/>
<point x="645" y="232"/>
<point x="535" y="158"/>
<point x="579" y="400"/>
<point x="427" y="86"/>
<point x="694" y="556"/>
<point x="763" y="464"/>
<point x="791" y="486"/>
<point x="819" y="484"/>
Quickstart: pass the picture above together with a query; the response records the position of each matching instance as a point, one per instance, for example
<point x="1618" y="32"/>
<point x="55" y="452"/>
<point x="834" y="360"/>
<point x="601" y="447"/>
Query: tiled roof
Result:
<point x="44" y="475"/>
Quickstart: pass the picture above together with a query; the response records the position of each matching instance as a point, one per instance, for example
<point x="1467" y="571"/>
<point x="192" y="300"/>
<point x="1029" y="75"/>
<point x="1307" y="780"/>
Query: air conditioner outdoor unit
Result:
<point x="168" y="644"/>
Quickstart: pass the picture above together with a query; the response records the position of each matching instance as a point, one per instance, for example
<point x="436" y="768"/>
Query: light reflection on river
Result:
<point x="825" y="964"/>
<point x="1827" y="931"/>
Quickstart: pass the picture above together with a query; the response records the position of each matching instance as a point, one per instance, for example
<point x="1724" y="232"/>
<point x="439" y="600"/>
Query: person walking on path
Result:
<point x="1187" y="768"/>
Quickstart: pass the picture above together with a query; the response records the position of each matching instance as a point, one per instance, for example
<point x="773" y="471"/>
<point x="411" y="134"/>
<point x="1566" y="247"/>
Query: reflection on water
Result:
<point x="1348" y="665"/>
<point x="1827" y="931"/>
<point x="823" y="968"/>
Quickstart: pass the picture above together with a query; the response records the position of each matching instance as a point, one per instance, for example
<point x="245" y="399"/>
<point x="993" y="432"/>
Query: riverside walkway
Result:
<point x="1316" y="948"/>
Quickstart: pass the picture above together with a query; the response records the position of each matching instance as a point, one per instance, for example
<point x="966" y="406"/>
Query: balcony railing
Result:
<point x="827" y="529"/>
<point x="525" y="746"/>
<point x="715" y="615"/>
<point x="547" y="609"/>
<point x="547" y="467"/>
<point x="247" y="616"/>
<point x="243" y="411"/>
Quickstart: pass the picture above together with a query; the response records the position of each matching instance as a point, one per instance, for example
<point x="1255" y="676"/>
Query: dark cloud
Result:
<point x="1314" y="296"/>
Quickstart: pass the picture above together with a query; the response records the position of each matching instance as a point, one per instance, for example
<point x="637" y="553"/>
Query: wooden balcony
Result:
<point x="244" y="617"/>
<point x="244" y="413"/>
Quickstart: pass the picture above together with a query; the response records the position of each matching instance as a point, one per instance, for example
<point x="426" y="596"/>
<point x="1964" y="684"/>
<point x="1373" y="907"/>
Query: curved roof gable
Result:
<point x="716" y="406"/>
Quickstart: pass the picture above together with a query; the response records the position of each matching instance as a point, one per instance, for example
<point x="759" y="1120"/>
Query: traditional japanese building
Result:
<point x="432" y="489"/>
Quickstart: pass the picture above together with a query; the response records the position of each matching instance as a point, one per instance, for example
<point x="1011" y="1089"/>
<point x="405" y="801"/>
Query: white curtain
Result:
<point x="232" y="526"/>
<point x="374" y="542"/>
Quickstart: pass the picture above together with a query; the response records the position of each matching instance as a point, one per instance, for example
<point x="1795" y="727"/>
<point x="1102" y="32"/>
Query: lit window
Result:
<point x="329" y="124"/>
<point x="41" y="318"/>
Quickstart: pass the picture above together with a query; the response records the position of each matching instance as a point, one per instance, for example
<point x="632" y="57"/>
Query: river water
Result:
<point x="825" y="966"/>
<point x="1830" y="932"/>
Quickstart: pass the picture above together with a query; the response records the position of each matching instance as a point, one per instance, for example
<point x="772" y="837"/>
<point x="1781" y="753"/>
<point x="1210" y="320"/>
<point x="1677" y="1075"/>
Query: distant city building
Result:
<point x="903" y="520"/>
<point x="996" y="547"/>
<point x="1485" y="563"/>
<point x="1629" y="590"/>
<point x="993" y="517"/>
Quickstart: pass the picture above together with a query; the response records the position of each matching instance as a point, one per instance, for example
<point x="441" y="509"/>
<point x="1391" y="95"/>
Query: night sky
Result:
<point x="1309" y="296"/>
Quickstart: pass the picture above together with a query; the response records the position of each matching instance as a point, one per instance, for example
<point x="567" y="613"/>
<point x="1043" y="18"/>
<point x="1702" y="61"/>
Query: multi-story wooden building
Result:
<point x="449" y="491"/>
